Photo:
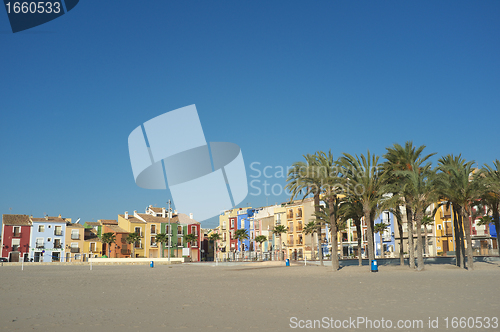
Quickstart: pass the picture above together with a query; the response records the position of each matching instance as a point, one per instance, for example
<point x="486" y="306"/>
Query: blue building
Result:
<point x="388" y="240"/>
<point x="47" y="239"/>
<point x="245" y="220"/>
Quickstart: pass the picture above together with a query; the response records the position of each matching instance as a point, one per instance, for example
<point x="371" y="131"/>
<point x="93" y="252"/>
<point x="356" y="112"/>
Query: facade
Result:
<point x="120" y="248"/>
<point x="298" y="214"/>
<point x="16" y="233"/>
<point x="133" y="224"/>
<point x="48" y="239"/>
<point x="388" y="240"/>
<point x="74" y="240"/>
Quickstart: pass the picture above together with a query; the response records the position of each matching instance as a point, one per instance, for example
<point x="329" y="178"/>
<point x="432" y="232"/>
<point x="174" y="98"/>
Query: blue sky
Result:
<point x="280" y="79"/>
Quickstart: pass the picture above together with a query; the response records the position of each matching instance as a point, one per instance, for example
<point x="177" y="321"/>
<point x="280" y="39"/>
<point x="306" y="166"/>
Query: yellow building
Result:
<point x="298" y="214"/>
<point x="443" y="223"/>
<point x="135" y="224"/>
<point x="74" y="240"/>
<point x="227" y="227"/>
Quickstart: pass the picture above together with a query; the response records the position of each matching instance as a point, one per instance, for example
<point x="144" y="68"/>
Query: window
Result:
<point x="41" y="228"/>
<point x="153" y="242"/>
<point x="223" y="224"/>
<point x="167" y="229"/>
<point x="439" y="227"/>
<point x="74" y="247"/>
<point x="16" y="231"/>
<point x="300" y="239"/>
<point x="92" y="247"/>
<point x="232" y="223"/>
<point x="75" y="234"/>
<point x="39" y="242"/>
<point x="290" y="240"/>
<point x="77" y="256"/>
<point x="58" y="230"/>
<point x="278" y="218"/>
<point x="49" y="239"/>
<point x="299" y="213"/>
<point x="179" y="230"/>
<point x="57" y="243"/>
<point x="153" y="229"/>
<point x="299" y="226"/>
<point x="179" y="242"/>
<point x="289" y="214"/>
<point x="194" y="230"/>
<point x="251" y="224"/>
<point x="290" y="226"/>
<point x="15" y="244"/>
<point x="137" y="244"/>
<point x="137" y="231"/>
<point x="224" y="236"/>
<point x="242" y="223"/>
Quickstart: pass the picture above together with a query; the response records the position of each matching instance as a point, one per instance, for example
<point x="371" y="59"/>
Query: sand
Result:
<point x="239" y="297"/>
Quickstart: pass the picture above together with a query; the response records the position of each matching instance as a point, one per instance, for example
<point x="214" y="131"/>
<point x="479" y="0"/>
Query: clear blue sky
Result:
<point x="280" y="79"/>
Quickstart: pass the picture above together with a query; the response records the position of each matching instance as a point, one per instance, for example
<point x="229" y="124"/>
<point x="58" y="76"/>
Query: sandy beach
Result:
<point x="240" y="297"/>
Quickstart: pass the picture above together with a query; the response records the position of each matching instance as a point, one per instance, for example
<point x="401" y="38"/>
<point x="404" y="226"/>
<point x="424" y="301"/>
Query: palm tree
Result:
<point x="463" y="188"/>
<point x="240" y="235"/>
<point x="492" y="196"/>
<point x="330" y="215"/>
<point x="214" y="237"/>
<point x="400" y="159"/>
<point x="302" y="181"/>
<point x="427" y="221"/>
<point x="364" y="177"/>
<point x="162" y="238"/>
<point x="132" y="238"/>
<point x="352" y="209"/>
<point x="260" y="239"/>
<point x="380" y="228"/>
<point x="278" y="230"/>
<point x="311" y="228"/>
<point x="108" y="238"/>
<point x="190" y="238"/>
<point x="418" y="183"/>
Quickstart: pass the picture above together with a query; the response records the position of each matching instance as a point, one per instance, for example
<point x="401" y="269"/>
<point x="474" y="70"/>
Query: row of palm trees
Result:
<point x="132" y="238"/>
<point x="356" y="187"/>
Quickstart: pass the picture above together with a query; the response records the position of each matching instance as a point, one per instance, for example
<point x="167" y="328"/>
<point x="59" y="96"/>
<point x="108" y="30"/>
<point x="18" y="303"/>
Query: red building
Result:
<point x="16" y="231"/>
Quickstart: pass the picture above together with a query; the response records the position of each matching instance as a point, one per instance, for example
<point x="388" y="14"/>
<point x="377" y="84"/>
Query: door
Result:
<point x="445" y="247"/>
<point x="37" y="256"/>
<point x="14" y="256"/>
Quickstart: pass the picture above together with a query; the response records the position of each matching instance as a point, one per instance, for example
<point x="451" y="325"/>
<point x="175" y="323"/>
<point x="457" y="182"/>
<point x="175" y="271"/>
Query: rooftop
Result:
<point x="16" y="220"/>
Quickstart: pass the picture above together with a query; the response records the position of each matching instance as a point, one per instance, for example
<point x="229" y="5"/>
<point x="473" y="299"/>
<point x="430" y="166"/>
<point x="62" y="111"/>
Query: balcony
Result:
<point x="40" y="245"/>
<point x="16" y="234"/>
<point x="125" y="252"/>
<point x="75" y="250"/>
<point x="57" y="246"/>
<point x="75" y="236"/>
<point x="58" y="233"/>
<point x="154" y="245"/>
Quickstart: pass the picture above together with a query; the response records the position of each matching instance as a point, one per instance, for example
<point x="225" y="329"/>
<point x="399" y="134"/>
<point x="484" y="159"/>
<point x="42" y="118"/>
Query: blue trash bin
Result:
<point x="287" y="262"/>
<point x="152" y="264"/>
<point x="374" y="266"/>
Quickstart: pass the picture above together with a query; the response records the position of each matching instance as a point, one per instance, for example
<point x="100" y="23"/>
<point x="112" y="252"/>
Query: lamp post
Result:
<point x="169" y="232"/>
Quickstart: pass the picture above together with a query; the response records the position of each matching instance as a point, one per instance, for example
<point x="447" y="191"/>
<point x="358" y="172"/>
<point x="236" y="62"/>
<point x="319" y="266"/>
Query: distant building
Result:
<point x="16" y="232"/>
<point x="48" y="239"/>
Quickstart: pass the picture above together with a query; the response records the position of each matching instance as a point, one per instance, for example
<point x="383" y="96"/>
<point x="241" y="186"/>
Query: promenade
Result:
<point x="239" y="296"/>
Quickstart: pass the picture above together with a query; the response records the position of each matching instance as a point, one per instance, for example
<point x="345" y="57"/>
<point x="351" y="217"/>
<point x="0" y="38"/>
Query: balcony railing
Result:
<point x="40" y="245"/>
<point x="75" y="236"/>
<point x="154" y="245"/>
<point x="16" y="234"/>
<point x="125" y="252"/>
<point x="75" y="250"/>
<point x="58" y="233"/>
<point x="57" y="246"/>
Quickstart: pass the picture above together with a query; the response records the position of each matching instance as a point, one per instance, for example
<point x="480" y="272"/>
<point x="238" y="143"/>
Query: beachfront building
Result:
<point x="134" y="224"/>
<point x="227" y="227"/>
<point x="263" y="224"/>
<point x="483" y="242"/>
<point x="443" y="227"/>
<point x="277" y="239"/>
<point x="74" y="243"/>
<point x="386" y="248"/>
<point x="244" y="218"/>
<point x="349" y="239"/>
<point x="298" y="214"/>
<point x="120" y="248"/>
<point x="16" y="233"/>
<point x="48" y="238"/>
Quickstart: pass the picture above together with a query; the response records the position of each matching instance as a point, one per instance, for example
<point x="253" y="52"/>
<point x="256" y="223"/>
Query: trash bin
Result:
<point x="152" y="264"/>
<point x="287" y="262"/>
<point x="374" y="266"/>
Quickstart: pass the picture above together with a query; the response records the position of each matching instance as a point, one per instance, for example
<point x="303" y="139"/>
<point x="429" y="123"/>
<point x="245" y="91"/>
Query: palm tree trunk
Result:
<point x="411" y="247"/>
<point x="456" y="238"/>
<point x="420" y="255"/>
<point x="280" y="257"/>
<point x="496" y="219"/>
<point x="369" y="232"/>
<point x="358" y="232"/>
<point x="401" y="245"/>
<point x="381" y="245"/>
<point x="333" y="230"/>
<point x="320" y="225"/>
<point x="468" y="238"/>
<point x="426" y="249"/>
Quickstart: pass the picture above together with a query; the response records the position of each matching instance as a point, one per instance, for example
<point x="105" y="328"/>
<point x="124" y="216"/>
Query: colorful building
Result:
<point x="48" y="239"/>
<point x="74" y="239"/>
<point x="16" y="234"/>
